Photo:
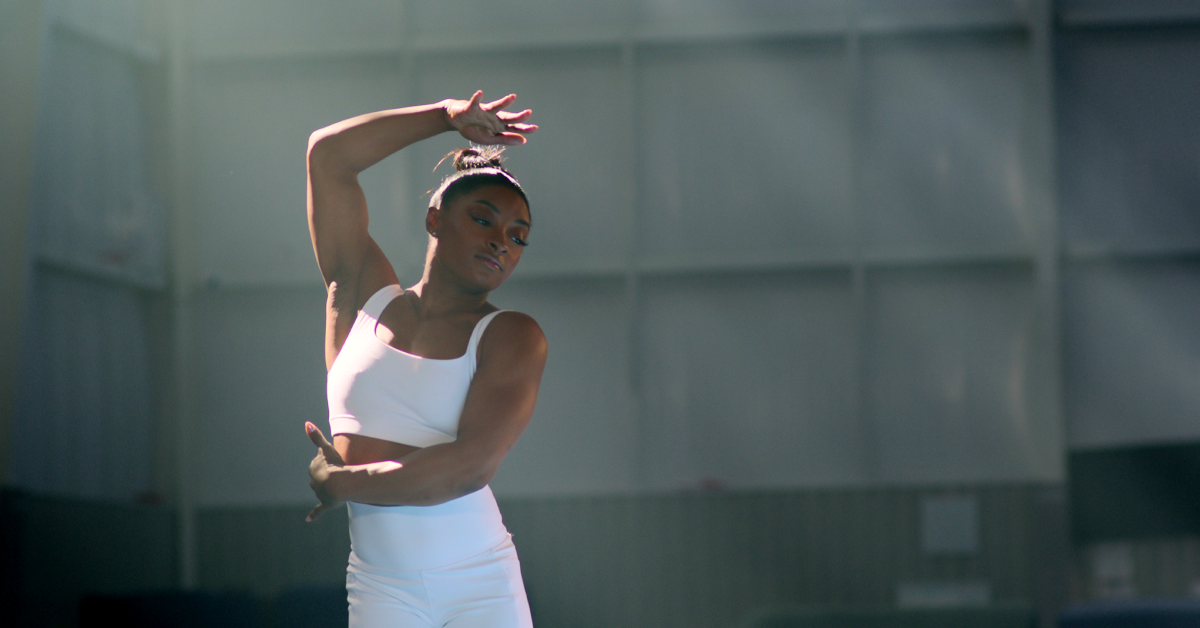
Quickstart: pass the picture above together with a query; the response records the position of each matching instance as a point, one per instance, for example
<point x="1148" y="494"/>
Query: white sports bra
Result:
<point x="377" y="390"/>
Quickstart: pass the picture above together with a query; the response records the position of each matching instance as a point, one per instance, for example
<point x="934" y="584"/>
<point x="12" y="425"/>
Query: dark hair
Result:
<point x="475" y="167"/>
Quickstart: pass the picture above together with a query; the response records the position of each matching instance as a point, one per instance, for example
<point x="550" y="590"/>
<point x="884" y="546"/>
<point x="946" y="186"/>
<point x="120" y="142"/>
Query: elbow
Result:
<point x="318" y="143"/>
<point x="329" y="153"/>
<point x="475" y="479"/>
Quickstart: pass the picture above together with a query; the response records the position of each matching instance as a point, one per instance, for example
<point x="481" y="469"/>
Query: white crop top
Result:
<point x="377" y="390"/>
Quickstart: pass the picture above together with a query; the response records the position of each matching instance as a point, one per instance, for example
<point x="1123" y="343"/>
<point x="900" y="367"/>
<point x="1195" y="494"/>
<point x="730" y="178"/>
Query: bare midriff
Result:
<point x="356" y="449"/>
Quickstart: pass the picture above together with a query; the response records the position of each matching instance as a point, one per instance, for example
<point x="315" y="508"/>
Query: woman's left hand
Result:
<point x="488" y="123"/>
<point x="326" y="461"/>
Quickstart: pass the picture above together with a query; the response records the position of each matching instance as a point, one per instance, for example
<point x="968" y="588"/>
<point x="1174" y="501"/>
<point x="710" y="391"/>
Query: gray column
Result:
<point x="20" y="47"/>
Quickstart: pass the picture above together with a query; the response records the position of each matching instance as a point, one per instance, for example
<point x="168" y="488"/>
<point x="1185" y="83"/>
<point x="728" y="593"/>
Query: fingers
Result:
<point x="506" y="139"/>
<point x="316" y="512"/>
<point x="315" y="435"/>
<point x="498" y="104"/>
<point x="514" y="116"/>
<point x="487" y="124"/>
<point x="510" y="139"/>
<point x="474" y="100"/>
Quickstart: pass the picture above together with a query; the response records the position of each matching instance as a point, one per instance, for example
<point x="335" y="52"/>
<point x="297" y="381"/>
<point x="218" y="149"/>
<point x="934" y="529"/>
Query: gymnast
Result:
<point x="428" y="386"/>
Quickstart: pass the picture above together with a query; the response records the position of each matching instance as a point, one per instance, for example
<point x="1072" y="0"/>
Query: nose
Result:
<point x="496" y="242"/>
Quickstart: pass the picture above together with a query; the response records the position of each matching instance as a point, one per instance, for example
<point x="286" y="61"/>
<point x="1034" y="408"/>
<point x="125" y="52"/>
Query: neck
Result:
<point x="438" y="295"/>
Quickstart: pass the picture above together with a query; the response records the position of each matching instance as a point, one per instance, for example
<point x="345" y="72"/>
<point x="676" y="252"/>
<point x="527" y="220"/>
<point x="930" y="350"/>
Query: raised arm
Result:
<point x="351" y="263"/>
<point x="499" y="406"/>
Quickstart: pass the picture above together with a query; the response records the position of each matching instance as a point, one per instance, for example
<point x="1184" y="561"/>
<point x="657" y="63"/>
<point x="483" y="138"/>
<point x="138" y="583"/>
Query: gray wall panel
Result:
<point x="227" y="27"/>
<point x="463" y="19"/>
<point x="1127" y="110"/>
<point x="745" y="149"/>
<point x="583" y="437"/>
<point x="260" y="375"/>
<point x="746" y="380"/>
<point x="270" y="549"/>
<point x="1132" y="353"/>
<point x="948" y="371"/>
<point x="249" y="132"/>
<point x="684" y="559"/>
<point x="575" y="168"/>
<point x="941" y="142"/>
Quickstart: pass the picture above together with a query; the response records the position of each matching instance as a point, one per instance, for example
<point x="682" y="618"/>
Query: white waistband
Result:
<point x="416" y="538"/>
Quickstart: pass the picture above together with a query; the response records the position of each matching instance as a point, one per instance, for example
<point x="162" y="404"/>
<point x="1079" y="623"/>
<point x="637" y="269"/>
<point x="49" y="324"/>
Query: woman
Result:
<point x="429" y="386"/>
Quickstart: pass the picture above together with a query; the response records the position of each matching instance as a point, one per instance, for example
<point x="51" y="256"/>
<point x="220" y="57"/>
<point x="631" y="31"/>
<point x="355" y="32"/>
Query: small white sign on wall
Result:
<point x="950" y="524"/>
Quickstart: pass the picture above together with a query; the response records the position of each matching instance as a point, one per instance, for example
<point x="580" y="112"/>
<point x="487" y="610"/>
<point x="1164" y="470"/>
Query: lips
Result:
<point x="492" y="262"/>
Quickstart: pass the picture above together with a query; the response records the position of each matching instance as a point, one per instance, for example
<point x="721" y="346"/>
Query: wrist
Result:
<point x="339" y="483"/>
<point x="444" y="110"/>
<point x="350" y="482"/>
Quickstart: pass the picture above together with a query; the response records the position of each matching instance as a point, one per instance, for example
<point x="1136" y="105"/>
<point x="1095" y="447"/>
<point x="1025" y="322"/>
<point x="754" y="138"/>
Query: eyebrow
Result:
<point x="496" y="210"/>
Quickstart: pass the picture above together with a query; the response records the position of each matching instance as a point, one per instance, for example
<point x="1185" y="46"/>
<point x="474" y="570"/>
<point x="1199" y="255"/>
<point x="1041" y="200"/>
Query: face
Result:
<point x="480" y="235"/>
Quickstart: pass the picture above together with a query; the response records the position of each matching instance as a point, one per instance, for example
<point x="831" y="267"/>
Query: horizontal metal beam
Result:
<point x="1128" y="12"/>
<point x="948" y="18"/>
<point x="139" y="50"/>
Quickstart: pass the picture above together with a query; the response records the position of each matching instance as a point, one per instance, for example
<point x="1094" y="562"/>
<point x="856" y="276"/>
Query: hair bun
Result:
<point x="478" y="157"/>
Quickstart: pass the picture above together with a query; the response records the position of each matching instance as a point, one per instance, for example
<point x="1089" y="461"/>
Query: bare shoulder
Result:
<point x="513" y="336"/>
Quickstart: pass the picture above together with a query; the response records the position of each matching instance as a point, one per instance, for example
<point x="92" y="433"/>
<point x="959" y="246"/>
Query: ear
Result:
<point x="431" y="221"/>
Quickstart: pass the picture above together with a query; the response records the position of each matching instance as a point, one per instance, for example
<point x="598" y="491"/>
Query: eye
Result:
<point x="481" y="221"/>
<point x="519" y="241"/>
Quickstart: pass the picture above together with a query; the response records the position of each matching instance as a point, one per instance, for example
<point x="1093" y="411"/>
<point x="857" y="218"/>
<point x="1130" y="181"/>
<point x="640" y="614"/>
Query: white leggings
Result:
<point x="483" y="591"/>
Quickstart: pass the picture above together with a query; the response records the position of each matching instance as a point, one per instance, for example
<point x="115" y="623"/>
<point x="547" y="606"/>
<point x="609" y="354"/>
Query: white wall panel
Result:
<point x="227" y="28"/>
<point x="948" y="372"/>
<point x="745" y="149"/>
<point x="749" y="380"/>
<point x="941" y="150"/>
<point x="575" y="168"/>
<point x="1130" y="164"/>
<point x="1132" y="353"/>
<point x="249" y="132"/>
<point x="260" y="374"/>
<point x="583" y="437"/>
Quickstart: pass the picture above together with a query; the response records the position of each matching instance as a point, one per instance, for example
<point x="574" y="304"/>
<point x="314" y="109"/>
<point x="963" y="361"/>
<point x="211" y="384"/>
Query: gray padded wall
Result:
<point x="787" y="245"/>
<point x="1130" y="180"/>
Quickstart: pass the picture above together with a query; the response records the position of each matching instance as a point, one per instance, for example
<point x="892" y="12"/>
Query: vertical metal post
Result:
<point x="1039" y="148"/>
<point x="182" y="281"/>
<point x="869" y="456"/>
<point x="415" y="245"/>
<point x="1039" y="152"/>
<point x="632" y="202"/>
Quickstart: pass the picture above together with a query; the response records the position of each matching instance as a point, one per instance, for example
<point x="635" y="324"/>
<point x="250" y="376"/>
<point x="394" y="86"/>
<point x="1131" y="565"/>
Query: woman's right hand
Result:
<point x="326" y="461"/>
<point x="487" y="123"/>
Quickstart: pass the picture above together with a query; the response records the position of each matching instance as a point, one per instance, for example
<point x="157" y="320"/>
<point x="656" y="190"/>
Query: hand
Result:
<point x="326" y="460"/>
<point x="487" y="123"/>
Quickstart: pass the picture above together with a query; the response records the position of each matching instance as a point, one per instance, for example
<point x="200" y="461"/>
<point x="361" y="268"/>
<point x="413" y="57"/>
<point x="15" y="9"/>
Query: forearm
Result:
<point x="426" y="477"/>
<point x="358" y="143"/>
<point x="337" y="206"/>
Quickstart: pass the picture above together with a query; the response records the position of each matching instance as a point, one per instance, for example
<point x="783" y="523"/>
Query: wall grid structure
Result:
<point x="918" y="235"/>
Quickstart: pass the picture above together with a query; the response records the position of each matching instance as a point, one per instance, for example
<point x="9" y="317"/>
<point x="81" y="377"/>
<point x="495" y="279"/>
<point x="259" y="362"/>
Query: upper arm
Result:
<point x="352" y="264"/>
<point x="503" y="393"/>
<point x="337" y="215"/>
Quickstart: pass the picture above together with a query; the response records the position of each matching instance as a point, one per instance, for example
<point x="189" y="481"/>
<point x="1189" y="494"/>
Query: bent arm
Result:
<point x="337" y="207"/>
<point x="352" y="264"/>
<point x="498" y="408"/>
